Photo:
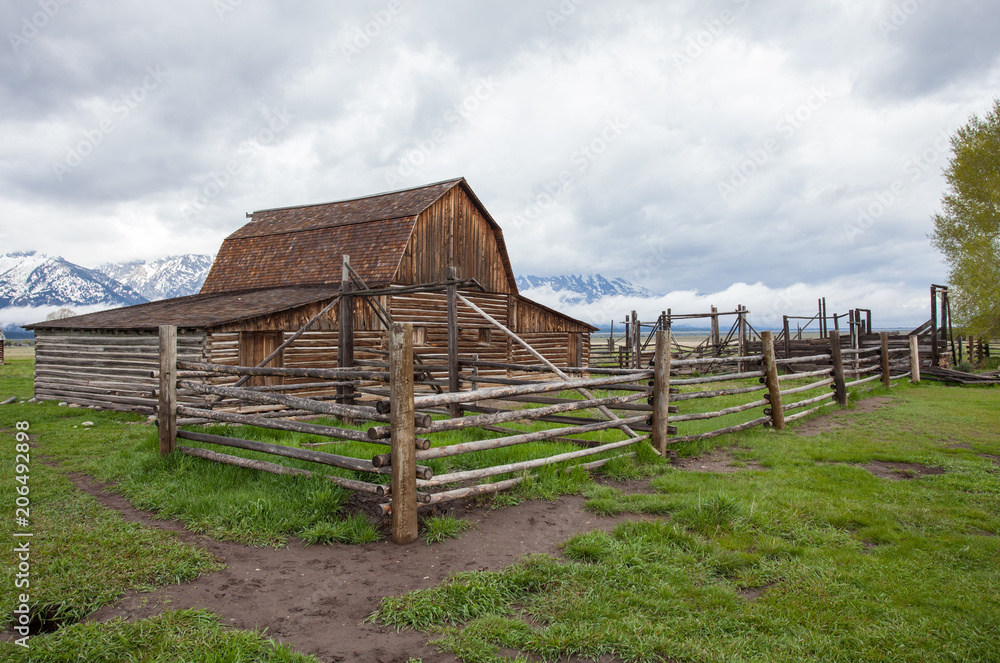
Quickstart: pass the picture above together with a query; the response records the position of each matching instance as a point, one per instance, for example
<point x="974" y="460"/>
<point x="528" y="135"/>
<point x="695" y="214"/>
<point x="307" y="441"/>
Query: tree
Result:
<point x="967" y="231"/>
<point x="61" y="314"/>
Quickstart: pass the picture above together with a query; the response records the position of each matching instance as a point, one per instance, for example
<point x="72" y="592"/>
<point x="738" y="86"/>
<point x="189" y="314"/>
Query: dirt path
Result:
<point x="316" y="598"/>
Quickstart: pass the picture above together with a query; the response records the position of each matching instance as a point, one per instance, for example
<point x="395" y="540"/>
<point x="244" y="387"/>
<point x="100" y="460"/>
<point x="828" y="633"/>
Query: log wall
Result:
<point x="109" y="369"/>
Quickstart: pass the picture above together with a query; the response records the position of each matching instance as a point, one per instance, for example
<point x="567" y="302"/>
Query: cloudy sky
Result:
<point x="761" y="152"/>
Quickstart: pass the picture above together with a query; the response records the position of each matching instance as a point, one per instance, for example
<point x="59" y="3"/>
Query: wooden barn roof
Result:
<point x="303" y="245"/>
<point x="196" y="311"/>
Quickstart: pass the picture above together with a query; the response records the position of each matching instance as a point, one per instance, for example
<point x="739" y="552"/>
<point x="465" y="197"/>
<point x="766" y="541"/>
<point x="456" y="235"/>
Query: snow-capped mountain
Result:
<point x="32" y="279"/>
<point x="581" y="289"/>
<point x="174" y="276"/>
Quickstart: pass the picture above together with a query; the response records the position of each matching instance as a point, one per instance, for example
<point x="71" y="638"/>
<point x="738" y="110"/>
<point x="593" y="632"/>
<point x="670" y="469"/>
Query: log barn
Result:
<point x="284" y="270"/>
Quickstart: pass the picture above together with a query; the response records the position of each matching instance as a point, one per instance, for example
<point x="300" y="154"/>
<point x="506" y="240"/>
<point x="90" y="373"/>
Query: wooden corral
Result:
<point x="935" y="338"/>
<point x="293" y="281"/>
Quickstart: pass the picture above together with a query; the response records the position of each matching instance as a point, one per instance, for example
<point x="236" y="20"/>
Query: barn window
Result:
<point x="485" y="335"/>
<point x="254" y="347"/>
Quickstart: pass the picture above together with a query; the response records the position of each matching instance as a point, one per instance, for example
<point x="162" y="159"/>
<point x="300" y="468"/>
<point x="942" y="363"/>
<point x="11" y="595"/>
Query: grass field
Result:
<point x="849" y="567"/>
<point x="810" y="558"/>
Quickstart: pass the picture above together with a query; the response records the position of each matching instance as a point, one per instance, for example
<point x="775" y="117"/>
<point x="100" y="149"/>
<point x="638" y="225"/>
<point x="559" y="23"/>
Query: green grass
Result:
<point x="192" y="636"/>
<point x="83" y="556"/>
<point x="439" y="528"/>
<point x="849" y="567"/>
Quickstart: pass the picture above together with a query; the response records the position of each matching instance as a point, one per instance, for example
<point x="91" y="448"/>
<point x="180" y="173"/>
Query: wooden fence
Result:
<point x="640" y="404"/>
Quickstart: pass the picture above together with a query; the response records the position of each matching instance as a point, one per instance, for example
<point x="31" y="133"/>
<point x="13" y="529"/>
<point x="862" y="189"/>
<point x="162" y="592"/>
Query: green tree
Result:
<point x="967" y="231"/>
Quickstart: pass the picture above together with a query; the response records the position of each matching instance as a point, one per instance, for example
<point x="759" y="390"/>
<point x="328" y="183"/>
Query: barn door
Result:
<point x="254" y="347"/>
<point x="574" y="350"/>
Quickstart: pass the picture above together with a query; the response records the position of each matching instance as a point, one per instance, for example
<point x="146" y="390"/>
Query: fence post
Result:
<point x="403" y="449"/>
<point x="636" y="342"/>
<point x="886" y="379"/>
<point x="914" y="359"/>
<point x="661" y="391"/>
<point x="166" y="410"/>
<point x="787" y="336"/>
<point x="455" y="409"/>
<point x="773" y="386"/>
<point x="838" y="368"/>
<point x="345" y="329"/>
<point x="716" y="337"/>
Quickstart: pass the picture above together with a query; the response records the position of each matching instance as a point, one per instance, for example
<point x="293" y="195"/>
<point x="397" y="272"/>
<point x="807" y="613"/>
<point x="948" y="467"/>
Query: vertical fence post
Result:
<point x="636" y="342"/>
<point x="934" y="327"/>
<point x="773" y="386"/>
<point x="661" y="391"/>
<point x="403" y="449"/>
<point x="166" y="410"/>
<point x="914" y="359"/>
<point x="345" y="329"/>
<point x="455" y="409"/>
<point x="886" y="379"/>
<point x="787" y="336"/>
<point x="716" y="336"/>
<point x="838" y="368"/>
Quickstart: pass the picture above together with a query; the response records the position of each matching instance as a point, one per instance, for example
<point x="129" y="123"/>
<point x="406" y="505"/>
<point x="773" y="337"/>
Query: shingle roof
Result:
<point x="304" y="244"/>
<point x="196" y="311"/>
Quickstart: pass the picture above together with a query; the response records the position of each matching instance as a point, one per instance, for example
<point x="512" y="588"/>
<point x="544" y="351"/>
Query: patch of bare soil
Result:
<point x="316" y="598"/>
<point x="994" y="457"/>
<point x="900" y="471"/>
<point x="717" y="460"/>
<point x="754" y="593"/>
<point x="835" y="420"/>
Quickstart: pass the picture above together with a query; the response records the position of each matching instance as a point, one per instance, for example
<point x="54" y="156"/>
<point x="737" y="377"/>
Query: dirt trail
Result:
<point x="316" y="598"/>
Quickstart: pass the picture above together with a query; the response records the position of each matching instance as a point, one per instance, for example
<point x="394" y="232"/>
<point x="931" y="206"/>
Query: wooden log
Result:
<point x="492" y="379"/>
<point x="838" y="368"/>
<point x="454" y="382"/>
<point x="719" y="413"/>
<point x="497" y="393"/>
<point x="726" y="377"/>
<point x="915" y="360"/>
<point x="319" y="407"/>
<point x="722" y="431"/>
<point x="805" y="374"/>
<point x="537" y="368"/>
<point x="808" y="401"/>
<point x="856" y="383"/>
<point x="807" y="387"/>
<point x="469" y="475"/>
<point x="274" y="468"/>
<point x="803" y="360"/>
<point x="402" y="456"/>
<point x="276" y="424"/>
<point x="707" y="361"/>
<point x="806" y="413"/>
<point x="321" y="373"/>
<point x="479" y="445"/>
<point x="552" y="400"/>
<point x="661" y="392"/>
<point x="886" y="382"/>
<point x="166" y="409"/>
<point x="344" y="462"/>
<point x="502" y="416"/>
<point x="773" y="385"/>
<point x="716" y="393"/>
<point x="345" y="328"/>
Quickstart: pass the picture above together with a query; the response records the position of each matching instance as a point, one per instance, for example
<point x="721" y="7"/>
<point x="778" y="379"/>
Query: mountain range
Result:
<point x="35" y="279"/>
<point x="582" y="289"/>
<point x="174" y="276"/>
<point x="33" y="285"/>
